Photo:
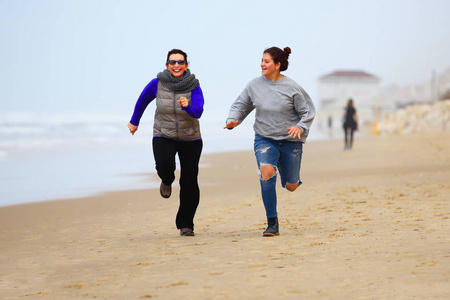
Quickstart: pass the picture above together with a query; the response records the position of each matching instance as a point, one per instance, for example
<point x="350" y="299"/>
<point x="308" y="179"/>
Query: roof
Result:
<point x="348" y="73"/>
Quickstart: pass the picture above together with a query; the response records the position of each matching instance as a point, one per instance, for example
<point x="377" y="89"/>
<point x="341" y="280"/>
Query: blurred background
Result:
<point x="71" y="72"/>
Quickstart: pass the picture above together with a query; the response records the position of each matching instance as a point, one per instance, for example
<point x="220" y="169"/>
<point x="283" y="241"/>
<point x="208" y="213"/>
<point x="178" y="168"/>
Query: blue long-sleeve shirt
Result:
<point x="195" y="109"/>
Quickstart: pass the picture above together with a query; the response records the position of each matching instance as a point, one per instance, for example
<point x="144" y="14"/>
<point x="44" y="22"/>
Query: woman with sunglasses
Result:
<point x="284" y="114"/>
<point x="176" y="129"/>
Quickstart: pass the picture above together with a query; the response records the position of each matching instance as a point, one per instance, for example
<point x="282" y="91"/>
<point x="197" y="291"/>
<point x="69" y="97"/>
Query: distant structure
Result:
<point x="436" y="87"/>
<point x="337" y="87"/>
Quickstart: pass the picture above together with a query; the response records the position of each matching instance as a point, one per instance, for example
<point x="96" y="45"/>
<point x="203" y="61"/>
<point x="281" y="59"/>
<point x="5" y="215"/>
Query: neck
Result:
<point x="275" y="77"/>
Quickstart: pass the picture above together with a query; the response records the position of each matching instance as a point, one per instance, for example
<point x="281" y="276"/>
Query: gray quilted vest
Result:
<point x="170" y="120"/>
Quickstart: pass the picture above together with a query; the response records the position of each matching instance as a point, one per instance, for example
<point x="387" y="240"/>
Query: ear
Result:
<point x="278" y="65"/>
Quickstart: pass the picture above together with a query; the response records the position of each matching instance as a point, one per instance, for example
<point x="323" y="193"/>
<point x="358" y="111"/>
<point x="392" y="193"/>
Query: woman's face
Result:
<point x="177" y="70"/>
<point x="268" y="67"/>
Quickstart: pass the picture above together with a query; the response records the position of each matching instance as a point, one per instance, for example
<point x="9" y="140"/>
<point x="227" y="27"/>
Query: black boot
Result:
<point x="272" y="228"/>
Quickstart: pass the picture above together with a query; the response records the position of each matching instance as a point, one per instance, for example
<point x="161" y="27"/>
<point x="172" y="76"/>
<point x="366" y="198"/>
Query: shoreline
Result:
<point x="86" y="171"/>
<point x="366" y="223"/>
<point x="132" y="174"/>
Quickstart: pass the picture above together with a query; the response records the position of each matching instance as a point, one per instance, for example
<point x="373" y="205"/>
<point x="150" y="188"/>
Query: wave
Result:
<point x="46" y="131"/>
<point x="25" y="130"/>
<point x="98" y="153"/>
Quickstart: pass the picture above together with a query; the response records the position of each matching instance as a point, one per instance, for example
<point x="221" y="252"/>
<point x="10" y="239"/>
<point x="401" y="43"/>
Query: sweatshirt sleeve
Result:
<point x="195" y="109"/>
<point x="306" y="111"/>
<point x="147" y="95"/>
<point x="241" y="108"/>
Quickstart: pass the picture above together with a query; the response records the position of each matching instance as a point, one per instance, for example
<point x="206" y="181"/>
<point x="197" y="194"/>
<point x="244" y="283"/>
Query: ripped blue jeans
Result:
<point x="285" y="157"/>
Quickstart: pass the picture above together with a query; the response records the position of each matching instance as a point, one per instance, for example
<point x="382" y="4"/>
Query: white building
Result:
<point x="337" y="87"/>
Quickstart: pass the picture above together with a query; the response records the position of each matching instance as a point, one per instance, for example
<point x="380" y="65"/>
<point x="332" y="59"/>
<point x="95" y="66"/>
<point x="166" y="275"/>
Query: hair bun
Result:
<point x="287" y="51"/>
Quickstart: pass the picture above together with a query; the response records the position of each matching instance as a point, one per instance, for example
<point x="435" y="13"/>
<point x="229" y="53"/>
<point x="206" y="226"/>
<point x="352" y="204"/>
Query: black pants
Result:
<point x="164" y="151"/>
<point x="348" y="136"/>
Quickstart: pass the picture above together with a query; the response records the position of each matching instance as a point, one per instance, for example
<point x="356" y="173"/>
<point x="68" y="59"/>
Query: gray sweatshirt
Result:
<point x="279" y="105"/>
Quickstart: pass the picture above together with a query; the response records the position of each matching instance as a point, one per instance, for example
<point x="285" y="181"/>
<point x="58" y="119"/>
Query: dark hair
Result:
<point x="279" y="56"/>
<point x="350" y="102"/>
<point x="176" y="51"/>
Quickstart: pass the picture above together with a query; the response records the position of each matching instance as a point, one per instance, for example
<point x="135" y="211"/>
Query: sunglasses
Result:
<point x="173" y="62"/>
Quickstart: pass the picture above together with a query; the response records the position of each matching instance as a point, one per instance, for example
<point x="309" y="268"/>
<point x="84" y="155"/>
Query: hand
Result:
<point x="295" y="132"/>
<point x="133" y="128"/>
<point x="183" y="101"/>
<point x="231" y="125"/>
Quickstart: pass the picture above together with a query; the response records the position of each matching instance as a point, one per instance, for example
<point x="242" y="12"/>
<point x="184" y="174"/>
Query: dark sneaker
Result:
<point x="272" y="228"/>
<point x="186" y="232"/>
<point x="165" y="190"/>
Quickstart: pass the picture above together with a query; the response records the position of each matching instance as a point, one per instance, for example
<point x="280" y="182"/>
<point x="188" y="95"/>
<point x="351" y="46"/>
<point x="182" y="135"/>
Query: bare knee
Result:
<point x="267" y="171"/>
<point x="292" y="187"/>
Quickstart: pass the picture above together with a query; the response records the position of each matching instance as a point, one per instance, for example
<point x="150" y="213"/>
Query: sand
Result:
<point x="372" y="223"/>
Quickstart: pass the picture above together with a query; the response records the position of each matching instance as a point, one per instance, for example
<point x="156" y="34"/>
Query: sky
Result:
<point x="96" y="56"/>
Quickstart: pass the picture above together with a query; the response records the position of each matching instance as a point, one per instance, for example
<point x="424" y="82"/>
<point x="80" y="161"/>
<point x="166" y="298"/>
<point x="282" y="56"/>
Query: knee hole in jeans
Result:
<point x="267" y="172"/>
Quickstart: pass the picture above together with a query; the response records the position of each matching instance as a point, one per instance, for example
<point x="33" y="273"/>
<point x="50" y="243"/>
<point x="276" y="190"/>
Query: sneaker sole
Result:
<point x="271" y="234"/>
<point x="164" y="196"/>
<point x="188" y="234"/>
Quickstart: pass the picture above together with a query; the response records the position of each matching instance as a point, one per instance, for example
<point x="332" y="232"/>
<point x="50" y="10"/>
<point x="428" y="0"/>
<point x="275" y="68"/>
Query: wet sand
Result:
<point x="371" y="223"/>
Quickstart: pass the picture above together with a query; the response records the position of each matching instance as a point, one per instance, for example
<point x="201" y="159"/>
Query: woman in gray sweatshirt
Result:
<point x="284" y="114"/>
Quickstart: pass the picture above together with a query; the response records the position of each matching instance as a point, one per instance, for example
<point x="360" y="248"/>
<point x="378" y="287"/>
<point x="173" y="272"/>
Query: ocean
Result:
<point x="46" y="157"/>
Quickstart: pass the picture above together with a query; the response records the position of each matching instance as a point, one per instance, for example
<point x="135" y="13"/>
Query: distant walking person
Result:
<point x="176" y="129"/>
<point x="330" y="125"/>
<point x="350" y="124"/>
<point x="284" y="114"/>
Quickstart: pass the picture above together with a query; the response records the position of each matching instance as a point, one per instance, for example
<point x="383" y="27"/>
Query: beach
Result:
<point x="371" y="223"/>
